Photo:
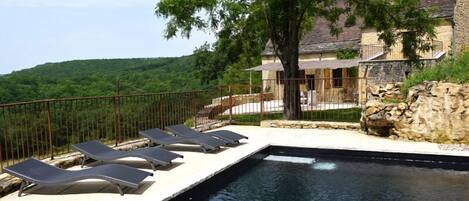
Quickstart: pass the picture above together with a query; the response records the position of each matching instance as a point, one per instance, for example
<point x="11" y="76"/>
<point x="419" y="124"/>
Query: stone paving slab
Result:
<point x="196" y="167"/>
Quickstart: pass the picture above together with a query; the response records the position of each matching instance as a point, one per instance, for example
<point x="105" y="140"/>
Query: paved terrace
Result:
<point x="196" y="166"/>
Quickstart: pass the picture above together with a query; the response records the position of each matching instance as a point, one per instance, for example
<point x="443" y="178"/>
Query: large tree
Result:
<point x="287" y="20"/>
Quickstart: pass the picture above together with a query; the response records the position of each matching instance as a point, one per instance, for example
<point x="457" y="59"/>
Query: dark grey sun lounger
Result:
<point x="100" y="152"/>
<point x="227" y="136"/>
<point x="33" y="171"/>
<point x="158" y="136"/>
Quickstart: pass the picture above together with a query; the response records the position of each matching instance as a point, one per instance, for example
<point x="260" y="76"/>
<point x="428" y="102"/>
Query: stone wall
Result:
<point x="461" y="25"/>
<point x="388" y="71"/>
<point x="434" y="111"/>
<point x="309" y="124"/>
<point x="382" y="72"/>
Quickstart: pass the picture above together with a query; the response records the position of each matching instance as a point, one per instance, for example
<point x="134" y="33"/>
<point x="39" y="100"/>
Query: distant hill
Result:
<point x="98" y="77"/>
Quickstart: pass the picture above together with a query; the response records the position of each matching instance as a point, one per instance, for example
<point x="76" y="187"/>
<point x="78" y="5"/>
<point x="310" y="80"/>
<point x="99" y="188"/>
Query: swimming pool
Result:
<point x="283" y="173"/>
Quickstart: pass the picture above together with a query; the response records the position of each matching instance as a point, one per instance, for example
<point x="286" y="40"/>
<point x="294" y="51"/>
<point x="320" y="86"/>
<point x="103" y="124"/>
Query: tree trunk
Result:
<point x="291" y="90"/>
<point x="286" y="39"/>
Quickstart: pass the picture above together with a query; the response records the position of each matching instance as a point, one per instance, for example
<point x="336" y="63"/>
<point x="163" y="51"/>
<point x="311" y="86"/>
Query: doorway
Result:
<point x="310" y="82"/>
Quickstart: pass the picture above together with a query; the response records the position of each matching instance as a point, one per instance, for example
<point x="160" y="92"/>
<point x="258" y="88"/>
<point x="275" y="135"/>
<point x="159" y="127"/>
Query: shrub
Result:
<point x="189" y="122"/>
<point x="454" y="70"/>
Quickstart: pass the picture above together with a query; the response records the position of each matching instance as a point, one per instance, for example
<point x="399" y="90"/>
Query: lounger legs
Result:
<point x="24" y="185"/>
<point x="206" y="151"/>
<point x="83" y="160"/>
<point x="152" y="166"/>
<point x="120" y="189"/>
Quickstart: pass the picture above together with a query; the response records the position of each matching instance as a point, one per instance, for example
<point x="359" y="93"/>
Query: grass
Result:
<point x="454" y="70"/>
<point x="336" y="115"/>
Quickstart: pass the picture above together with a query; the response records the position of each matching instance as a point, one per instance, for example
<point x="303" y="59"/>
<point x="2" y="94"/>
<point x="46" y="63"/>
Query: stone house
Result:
<point x="333" y="67"/>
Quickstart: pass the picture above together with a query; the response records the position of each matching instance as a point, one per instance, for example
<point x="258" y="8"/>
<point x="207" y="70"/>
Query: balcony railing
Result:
<point x="378" y="51"/>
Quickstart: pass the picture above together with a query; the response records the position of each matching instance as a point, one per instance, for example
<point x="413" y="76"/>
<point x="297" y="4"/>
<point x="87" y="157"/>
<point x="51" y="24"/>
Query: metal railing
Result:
<point x="395" y="52"/>
<point x="47" y="128"/>
<point x="319" y="99"/>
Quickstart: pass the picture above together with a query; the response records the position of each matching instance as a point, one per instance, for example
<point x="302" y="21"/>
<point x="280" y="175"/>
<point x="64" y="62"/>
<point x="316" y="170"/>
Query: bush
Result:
<point x="189" y="122"/>
<point x="454" y="70"/>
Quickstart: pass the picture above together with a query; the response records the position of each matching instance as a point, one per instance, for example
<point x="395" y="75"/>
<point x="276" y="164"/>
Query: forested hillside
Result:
<point x="98" y="77"/>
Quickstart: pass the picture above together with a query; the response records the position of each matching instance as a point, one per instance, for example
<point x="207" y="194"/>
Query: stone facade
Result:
<point x="309" y="124"/>
<point x="383" y="72"/>
<point x="461" y="25"/>
<point x="388" y="71"/>
<point x="443" y="32"/>
<point x="434" y="111"/>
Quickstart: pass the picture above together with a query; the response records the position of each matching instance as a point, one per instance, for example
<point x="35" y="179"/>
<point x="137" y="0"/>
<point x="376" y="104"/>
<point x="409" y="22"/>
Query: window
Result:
<point x="337" y="77"/>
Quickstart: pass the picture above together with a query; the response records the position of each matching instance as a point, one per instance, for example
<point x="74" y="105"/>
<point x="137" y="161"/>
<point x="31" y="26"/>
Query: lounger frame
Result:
<point x="132" y="177"/>
<point x="158" y="136"/>
<point x="150" y="154"/>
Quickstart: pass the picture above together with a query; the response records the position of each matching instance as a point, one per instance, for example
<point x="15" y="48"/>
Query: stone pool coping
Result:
<point x="197" y="167"/>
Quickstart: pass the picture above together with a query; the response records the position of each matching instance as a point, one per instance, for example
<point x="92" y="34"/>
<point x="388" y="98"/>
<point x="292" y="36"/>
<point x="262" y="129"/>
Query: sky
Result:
<point x="34" y="32"/>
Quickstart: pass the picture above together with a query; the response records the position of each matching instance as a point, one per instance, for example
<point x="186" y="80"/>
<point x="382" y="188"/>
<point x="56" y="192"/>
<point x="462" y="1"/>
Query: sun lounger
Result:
<point x="100" y="152"/>
<point x="227" y="136"/>
<point x="33" y="171"/>
<point x="158" y="136"/>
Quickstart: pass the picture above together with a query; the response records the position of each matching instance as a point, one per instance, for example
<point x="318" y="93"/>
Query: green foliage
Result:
<point x="450" y="70"/>
<point x="189" y="122"/>
<point x="225" y="61"/>
<point x="388" y="16"/>
<point x="353" y="72"/>
<point x="347" y="54"/>
<point x="285" y="22"/>
<point x="98" y="78"/>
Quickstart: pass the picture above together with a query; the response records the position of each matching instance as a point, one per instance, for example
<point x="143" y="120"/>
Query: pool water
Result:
<point x="291" y="179"/>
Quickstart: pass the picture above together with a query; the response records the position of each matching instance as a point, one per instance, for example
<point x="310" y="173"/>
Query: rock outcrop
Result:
<point x="433" y="111"/>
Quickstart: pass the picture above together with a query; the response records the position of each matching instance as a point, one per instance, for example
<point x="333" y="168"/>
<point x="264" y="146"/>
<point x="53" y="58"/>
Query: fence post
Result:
<point x="261" y="101"/>
<point x="117" y="117"/>
<point x="230" y="102"/>
<point x="161" y="112"/>
<point x="49" y="126"/>
<point x="221" y="100"/>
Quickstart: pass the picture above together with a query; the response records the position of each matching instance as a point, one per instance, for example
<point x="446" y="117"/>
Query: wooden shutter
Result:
<point x="327" y="78"/>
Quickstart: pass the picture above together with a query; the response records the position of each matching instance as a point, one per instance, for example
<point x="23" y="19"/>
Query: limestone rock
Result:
<point x="374" y="90"/>
<point x="373" y="107"/>
<point x="435" y="111"/>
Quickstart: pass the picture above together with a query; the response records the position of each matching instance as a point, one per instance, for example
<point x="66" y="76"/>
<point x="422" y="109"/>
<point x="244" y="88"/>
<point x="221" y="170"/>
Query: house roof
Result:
<point x="324" y="64"/>
<point x="444" y="8"/>
<point x="319" y="39"/>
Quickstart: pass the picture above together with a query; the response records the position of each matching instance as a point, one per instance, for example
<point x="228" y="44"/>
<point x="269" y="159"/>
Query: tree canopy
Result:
<point x="284" y="22"/>
<point x="98" y="77"/>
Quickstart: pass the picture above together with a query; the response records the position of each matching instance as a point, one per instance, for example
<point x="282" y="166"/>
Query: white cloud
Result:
<point x="75" y="3"/>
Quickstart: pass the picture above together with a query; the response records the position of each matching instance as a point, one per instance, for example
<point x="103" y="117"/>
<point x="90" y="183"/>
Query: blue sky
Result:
<point x="39" y="31"/>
